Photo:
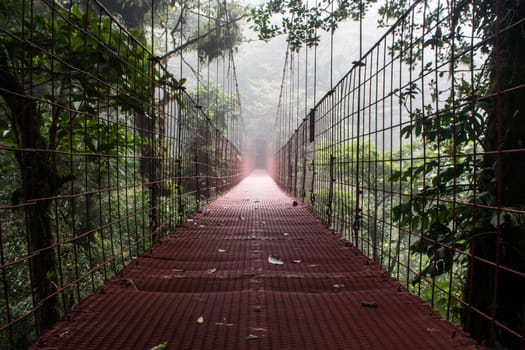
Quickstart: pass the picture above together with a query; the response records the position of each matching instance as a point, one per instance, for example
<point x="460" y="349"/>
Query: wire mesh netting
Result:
<point x="102" y="153"/>
<point x="253" y="271"/>
<point x="416" y="157"/>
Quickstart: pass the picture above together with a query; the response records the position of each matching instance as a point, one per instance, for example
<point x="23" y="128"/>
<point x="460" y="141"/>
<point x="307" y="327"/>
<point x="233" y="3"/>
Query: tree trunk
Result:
<point x="500" y="293"/>
<point x="39" y="181"/>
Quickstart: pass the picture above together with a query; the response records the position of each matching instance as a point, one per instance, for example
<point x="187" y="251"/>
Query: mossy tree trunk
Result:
<point x="39" y="182"/>
<point x="497" y="292"/>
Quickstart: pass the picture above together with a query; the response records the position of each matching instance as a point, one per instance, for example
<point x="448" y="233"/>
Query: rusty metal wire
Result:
<point x="102" y="153"/>
<point x="414" y="157"/>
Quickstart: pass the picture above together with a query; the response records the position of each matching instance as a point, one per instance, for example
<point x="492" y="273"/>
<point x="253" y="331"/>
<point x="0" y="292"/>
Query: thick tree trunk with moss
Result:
<point x="39" y="180"/>
<point x="501" y="293"/>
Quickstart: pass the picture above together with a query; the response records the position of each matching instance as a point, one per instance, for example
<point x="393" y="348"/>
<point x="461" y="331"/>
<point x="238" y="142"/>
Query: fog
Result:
<point x="260" y="71"/>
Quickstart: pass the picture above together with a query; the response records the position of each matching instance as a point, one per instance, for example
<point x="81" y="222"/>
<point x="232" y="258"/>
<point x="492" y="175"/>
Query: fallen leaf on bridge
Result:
<point x="369" y="303"/>
<point x="274" y="260"/>
<point x="160" y="346"/>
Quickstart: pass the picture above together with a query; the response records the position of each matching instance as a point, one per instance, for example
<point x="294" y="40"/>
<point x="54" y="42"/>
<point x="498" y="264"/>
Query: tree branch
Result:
<point x="194" y="40"/>
<point x="179" y="20"/>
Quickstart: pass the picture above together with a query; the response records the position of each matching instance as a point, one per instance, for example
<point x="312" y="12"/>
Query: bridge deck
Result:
<point x="212" y="285"/>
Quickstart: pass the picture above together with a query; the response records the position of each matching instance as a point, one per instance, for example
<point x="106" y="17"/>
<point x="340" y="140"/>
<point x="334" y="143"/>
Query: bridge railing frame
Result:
<point x="395" y="158"/>
<point x="102" y="154"/>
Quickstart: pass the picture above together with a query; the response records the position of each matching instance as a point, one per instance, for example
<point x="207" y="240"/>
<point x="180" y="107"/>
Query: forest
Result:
<point x="121" y="118"/>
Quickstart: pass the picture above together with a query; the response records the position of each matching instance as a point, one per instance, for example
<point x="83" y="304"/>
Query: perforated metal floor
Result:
<point x="213" y="285"/>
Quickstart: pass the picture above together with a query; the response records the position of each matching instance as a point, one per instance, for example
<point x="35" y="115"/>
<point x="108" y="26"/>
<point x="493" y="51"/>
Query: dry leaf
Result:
<point x="128" y="283"/>
<point x="160" y="346"/>
<point x="369" y="303"/>
<point x="61" y="335"/>
<point x="212" y="270"/>
<point x="274" y="260"/>
<point x="252" y="337"/>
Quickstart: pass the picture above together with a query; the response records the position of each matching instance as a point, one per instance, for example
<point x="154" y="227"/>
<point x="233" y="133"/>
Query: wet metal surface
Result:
<point x="217" y="283"/>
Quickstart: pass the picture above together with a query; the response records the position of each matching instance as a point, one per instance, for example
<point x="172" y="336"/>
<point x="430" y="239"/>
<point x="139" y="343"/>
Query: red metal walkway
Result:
<point x="217" y="284"/>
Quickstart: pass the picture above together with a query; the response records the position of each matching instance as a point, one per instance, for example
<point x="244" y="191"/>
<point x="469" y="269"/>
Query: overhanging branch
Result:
<point x="196" y="39"/>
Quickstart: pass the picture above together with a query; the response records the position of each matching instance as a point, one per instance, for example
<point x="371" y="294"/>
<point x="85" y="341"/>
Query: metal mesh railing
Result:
<point x="102" y="153"/>
<point x="416" y="157"/>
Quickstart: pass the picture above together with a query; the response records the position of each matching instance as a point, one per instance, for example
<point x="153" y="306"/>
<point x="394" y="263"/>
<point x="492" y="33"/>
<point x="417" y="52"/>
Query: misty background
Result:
<point x="259" y="69"/>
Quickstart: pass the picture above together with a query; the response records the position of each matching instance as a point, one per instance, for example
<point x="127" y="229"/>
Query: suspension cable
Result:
<point x="280" y="105"/>
<point x="358" y="211"/>
<point x="198" y="54"/>
<point x="332" y="31"/>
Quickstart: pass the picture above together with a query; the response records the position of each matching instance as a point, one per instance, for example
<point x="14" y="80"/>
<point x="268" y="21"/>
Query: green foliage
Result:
<point x="453" y="193"/>
<point x="220" y="106"/>
<point x="211" y="29"/>
<point x="81" y="93"/>
<point x="460" y="198"/>
<point x="451" y="128"/>
<point x="90" y="85"/>
<point x="135" y="14"/>
<point x="222" y="32"/>
<point x="356" y="196"/>
<point x="300" y="22"/>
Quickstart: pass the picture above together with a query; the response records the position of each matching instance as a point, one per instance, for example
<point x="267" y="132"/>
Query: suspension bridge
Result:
<point x="253" y="271"/>
<point x="138" y="212"/>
